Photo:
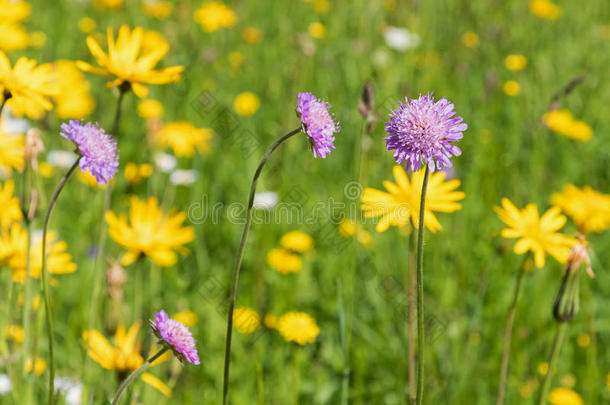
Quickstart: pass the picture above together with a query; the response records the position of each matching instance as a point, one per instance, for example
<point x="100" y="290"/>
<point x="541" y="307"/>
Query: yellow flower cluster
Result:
<point x="562" y="122"/>
<point x="286" y="258"/>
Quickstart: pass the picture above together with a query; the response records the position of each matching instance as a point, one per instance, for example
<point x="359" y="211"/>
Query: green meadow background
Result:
<point x="357" y="294"/>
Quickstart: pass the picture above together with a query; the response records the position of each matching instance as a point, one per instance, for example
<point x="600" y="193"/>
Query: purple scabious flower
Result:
<point x="175" y="336"/>
<point x="97" y="149"/>
<point x="422" y="129"/>
<point x="319" y="125"/>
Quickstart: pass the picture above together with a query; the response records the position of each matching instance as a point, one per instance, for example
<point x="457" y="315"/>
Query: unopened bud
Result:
<point x="567" y="300"/>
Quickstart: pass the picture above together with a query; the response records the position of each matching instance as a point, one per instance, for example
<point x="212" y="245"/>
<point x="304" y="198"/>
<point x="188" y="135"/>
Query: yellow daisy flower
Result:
<point x="588" y="208"/>
<point x="135" y="173"/>
<point x="214" y="15"/>
<point x="316" y="30"/>
<point x="74" y="99"/>
<point x="124" y="356"/>
<point x="27" y="88"/>
<point x="545" y="9"/>
<point x="150" y="108"/>
<point x="564" y="396"/>
<point x="246" y="320"/>
<point x="157" y="8"/>
<point x="284" y="261"/>
<point x="14" y="11"/>
<point x="252" y="35"/>
<point x="563" y="123"/>
<point x="12" y="152"/>
<point x="148" y="231"/>
<point x="187" y="318"/>
<point x="511" y="88"/>
<point x="298" y="327"/>
<point x="297" y="241"/>
<point x="108" y="4"/>
<point x="183" y="137"/>
<point x="402" y="200"/>
<point x="470" y="39"/>
<point x="536" y="234"/>
<point x="246" y="104"/>
<point x="13" y="37"/>
<point x="14" y="333"/>
<point x="39" y="365"/>
<point x="87" y="25"/>
<point x="11" y="212"/>
<point x="129" y="63"/>
<point x="515" y="62"/>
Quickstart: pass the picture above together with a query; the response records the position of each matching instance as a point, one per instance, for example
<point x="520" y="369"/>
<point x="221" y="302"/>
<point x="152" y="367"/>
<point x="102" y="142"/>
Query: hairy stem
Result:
<point x="135" y="375"/>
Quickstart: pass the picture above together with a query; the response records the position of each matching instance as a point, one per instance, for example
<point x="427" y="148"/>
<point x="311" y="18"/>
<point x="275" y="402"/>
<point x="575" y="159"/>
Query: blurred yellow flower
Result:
<point x="543" y="368"/>
<point x="536" y="234"/>
<point x="148" y="231"/>
<point x="563" y="123"/>
<point x="14" y="11"/>
<point x="252" y="35"/>
<point x="38" y="39"/>
<point x="298" y="327"/>
<point x="39" y="365"/>
<point x="236" y="59"/>
<point x="246" y="320"/>
<point x="349" y="228"/>
<point x="135" y="173"/>
<point x="470" y="39"/>
<point x="74" y="100"/>
<point x="284" y="261"/>
<point x="129" y="62"/>
<point x="246" y="104"/>
<point x="13" y="37"/>
<point x="511" y="88"/>
<point x="564" y="396"/>
<point x="45" y="169"/>
<point x="12" y="152"/>
<point x="108" y="4"/>
<point x="214" y="15"/>
<point x="515" y="62"/>
<point x="402" y="200"/>
<point x="157" y="8"/>
<point x="187" y="318"/>
<point x="89" y="180"/>
<point x="297" y="241"/>
<point x="583" y="340"/>
<point x="14" y="333"/>
<point x="150" y="108"/>
<point x="123" y="357"/>
<point x="184" y="138"/>
<point x="545" y="9"/>
<point x="270" y="321"/>
<point x="316" y="30"/>
<point x="11" y="212"/>
<point x="321" y="6"/>
<point x="25" y="87"/>
<point x="588" y="208"/>
<point x="87" y="25"/>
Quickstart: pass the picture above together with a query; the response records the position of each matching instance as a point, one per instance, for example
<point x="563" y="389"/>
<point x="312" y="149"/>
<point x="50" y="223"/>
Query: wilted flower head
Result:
<point x="97" y="149"/>
<point x="318" y="124"/>
<point x="175" y="336"/>
<point x="422" y="129"/>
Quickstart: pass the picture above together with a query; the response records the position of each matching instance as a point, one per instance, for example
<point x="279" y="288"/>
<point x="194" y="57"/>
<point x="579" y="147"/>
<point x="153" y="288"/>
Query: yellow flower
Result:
<point x="562" y="122"/>
<point x="108" y="4"/>
<point x="583" y="340"/>
<point x="545" y="9"/>
<point x="246" y="104"/>
<point x="87" y="25"/>
<point x="252" y="35"/>
<point x="316" y="30"/>
<point x="284" y="261"/>
<point x="347" y="228"/>
<point x="38" y="39"/>
<point x="298" y="327"/>
<point x="157" y="8"/>
<point x="511" y="88"/>
<point x="39" y="365"/>
<point x="564" y="396"/>
<point x="135" y="173"/>
<point x="187" y="318"/>
<point x="74" y="100"/>
<point x="45" y="169"/>
<point x="14" y="11"/>
<point x="515" y="62"/>
<point x="123" y="357"/>
<point x="11" y="212"/>
<point x="151" y="232"/>
<point x="214" y="15"/>
<point x="27" y="87"/>
<point x="470" y="39"/>
<point x="129" y="62"/>
<point x="536" y="234"/>
<point x="89" y="180"/>
<point x="321" y="6"/>
<point x="588" y="208"/>
<point x="150" y="108"/>
<point x="12" y="152"/>
<point x="246" y="320"/>
<point x="270" y="321"/>
<point x="13" y="37"/>
<point x="402" y="200"/>
<point x="235" y="60"/>
<point x="14" y="333"/>
<point x="297" y="241"/>
<point x="184" y="138"/>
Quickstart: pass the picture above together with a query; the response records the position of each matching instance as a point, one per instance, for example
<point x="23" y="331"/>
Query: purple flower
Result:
<point x="97" y="149"/>
<point x="175" y="336"/>
<point x="319" y="124"/>
<point x="422" y="129"/>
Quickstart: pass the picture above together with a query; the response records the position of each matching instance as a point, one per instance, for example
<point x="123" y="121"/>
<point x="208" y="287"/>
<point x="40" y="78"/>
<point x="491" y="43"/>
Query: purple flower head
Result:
<point x="318" y="123"/>
<point x="175" y="336"/>
<point x="422" y="129"/>
<point x="97" y="149"/>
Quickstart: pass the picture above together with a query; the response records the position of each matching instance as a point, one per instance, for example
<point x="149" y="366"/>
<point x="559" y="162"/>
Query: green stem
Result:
<point x="45" y="278"/>
<point x="135" y="375"/>
<point x="238" y="257"/>
<point x="557" y="341"/>
<point x="411" y="321"/>
<point x="123" y="88"/>
<point x="28" y="295"/>
<point x="508" y="333"/>
<point x="420" y="290"/>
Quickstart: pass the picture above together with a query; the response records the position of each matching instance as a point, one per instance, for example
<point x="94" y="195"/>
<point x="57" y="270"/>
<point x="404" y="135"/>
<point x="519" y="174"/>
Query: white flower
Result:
<point x="400" y="39"/>
<point x="183" y="177"/>
<point x="165" y="162"/>
<point x="12" y="125"/>
<point x="72" y="389"/>
<point x="5" y="384"/>
<point x="265" y="200"/>
<point x="61" y="158"/>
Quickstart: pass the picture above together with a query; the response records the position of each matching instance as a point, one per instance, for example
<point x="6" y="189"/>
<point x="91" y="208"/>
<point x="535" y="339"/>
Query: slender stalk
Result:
<point x="420" y="291"/>
<point x="238" y="257"/>
<point x="557" y="341"/>
<point x="411" y="321"/>
<point x="45" y="279"/>
<point x="123" y="88"/>
<point x="135" y="375"/>
<point x="508" y="332"/>
<point x="343" y="337"/>
<point x="28" y="295"/>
